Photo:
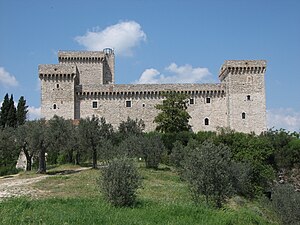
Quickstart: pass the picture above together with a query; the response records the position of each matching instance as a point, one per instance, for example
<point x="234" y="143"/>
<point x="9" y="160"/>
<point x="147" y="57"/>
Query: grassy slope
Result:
<point x="163" y="199"/>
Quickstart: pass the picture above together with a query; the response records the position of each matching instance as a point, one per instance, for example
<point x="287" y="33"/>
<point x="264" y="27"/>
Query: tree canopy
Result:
<point x="173" y="116"/>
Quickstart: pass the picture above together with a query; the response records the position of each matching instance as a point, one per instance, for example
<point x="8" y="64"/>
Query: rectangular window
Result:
<point x="192" y="101"/>
<point x="207" y="100"/>
<point x="128" y="104"/>
<point x="248" y="98"/>
<point x="95" y="105"/>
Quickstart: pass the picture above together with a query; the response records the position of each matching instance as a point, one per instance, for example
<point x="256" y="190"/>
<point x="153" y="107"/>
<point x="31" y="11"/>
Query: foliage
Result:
<point x="152" y="149"/>
<point x="207" y="170"/>
<point x="92" y="132"/>
<point x="12" y="113"/>
<point x="21" y="114"/>
<point x="22" y="143"/>
<point x="170" y="138"/>
<point x="8" y="151"/>
<point x="286" y="148"/>
<point x="37" y="141"/>
<point x="108" y="151"/>
<point x="131" y="126"/>
<point x="178" y="154"/>
<point x="286" y="202"/>
<point x="9" y="115"/>
<point x="8" y="112"/>
<point x="4" y="111"/>
<point x="119" y="182"/>
<point x="241" y="179"/>
<point x="132" y="146"/>
<point x="173" y="116"/>
<point x="59" y="137"/>
<point x="255" y="151"/>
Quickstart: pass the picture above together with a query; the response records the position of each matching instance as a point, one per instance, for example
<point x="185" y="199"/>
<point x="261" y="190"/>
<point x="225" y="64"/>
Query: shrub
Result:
<point x="119" y="182"/>
<point x="241" y="177"/>
<point x="177" y="155"/>
<point x="207" y="170"/>
<point x="286" y="202"/>
<point x="152" y="150"/>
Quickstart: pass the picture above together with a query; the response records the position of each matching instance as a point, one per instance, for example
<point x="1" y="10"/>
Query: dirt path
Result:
<point x="14" y="186"/>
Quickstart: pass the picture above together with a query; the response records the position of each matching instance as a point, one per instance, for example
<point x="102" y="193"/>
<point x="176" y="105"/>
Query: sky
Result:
<point x="156" y="41"/>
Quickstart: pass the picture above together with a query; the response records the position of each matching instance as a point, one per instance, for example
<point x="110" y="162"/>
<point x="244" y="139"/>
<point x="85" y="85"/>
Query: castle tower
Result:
<point x="245" y="88"/>
<point x="94" y="67"/>
<point x="57" y="90"/>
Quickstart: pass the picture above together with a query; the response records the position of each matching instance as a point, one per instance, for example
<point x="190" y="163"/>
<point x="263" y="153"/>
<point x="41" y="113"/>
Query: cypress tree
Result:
<point x="21" y="111"/>
<point x="12" y="113"/>
<point x="4" y="111"/>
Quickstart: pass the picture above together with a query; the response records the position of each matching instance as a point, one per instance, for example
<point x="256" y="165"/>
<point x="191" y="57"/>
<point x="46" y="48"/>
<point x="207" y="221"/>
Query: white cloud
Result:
<point x="122" y="37"/>
<point x="34" y="113"/>
<point x="286" y="118"/>
<point x="176" y="74"/>
<point x="6" y="79"/>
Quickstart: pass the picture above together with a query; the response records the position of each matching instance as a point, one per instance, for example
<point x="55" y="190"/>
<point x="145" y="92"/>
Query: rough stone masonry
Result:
<point x="82" y="85"/>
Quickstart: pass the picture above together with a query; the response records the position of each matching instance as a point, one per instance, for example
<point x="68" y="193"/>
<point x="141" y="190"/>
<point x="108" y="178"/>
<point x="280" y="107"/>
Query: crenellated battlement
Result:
<point x="82" y="56"/>
<point x="242" y="67"/>
<point x="56" y="71"/>
<point x="82" y="85"/>
<point x="151" y="90"/>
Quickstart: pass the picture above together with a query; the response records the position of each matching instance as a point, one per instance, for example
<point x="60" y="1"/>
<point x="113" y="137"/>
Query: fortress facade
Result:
<point x="83" y="84"/>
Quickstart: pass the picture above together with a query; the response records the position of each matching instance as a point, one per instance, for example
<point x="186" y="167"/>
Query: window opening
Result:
<point x="95" y="105"/>
<point x="128" y="103"/>
<point x="143" y="105"/>
<point x="248" y="98"/>
<point x="207" y="100"/>
<point x="243" y="115"/>
<point x="192" y="101"/>
<point x="206" y="121"/>
<point x="54" y="106"/>
<point x="57" y="85"/>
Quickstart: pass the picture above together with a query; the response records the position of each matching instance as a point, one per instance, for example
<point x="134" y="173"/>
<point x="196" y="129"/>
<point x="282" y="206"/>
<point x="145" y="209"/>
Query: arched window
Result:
<point x="206" y="121"/>
<point x="243" y="115"/>
<point x="54" y="106"/>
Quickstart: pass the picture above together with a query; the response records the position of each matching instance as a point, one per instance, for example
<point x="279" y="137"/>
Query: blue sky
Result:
<point x="156" y="41"/>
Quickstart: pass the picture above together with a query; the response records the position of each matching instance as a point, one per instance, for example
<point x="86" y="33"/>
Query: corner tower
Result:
<point x="58" y="90"/>
<point x="245" y="88"/>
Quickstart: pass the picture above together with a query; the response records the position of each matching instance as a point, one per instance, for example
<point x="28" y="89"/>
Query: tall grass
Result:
<point x="164" y="199"/>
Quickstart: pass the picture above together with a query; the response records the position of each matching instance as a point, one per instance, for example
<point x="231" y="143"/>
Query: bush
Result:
<point x="119" y="182"/>
<point x="286" y="203"/>
<point x="177" y="155"/>
<point x="207" y="169"/>
<point x="241" y="176"/>
<point x="152" y="150"/>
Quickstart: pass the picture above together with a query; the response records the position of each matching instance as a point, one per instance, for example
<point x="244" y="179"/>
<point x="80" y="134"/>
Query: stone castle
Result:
<point x="83" y="84"/>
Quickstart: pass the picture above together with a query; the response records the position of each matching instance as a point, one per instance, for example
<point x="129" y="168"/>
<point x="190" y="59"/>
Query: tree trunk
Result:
<point x="28" y="163"/>
<point x="42" y="161"/>
<point x="94" y="158"/>
<point x="70" y="156"/>
<point x="28" y="160"/>
<point x="77" y="158"/>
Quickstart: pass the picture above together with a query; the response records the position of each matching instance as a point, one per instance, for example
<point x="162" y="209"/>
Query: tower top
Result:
<point x="242" y="67"/>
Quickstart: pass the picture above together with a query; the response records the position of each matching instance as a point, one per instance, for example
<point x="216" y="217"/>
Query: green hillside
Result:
<point x="67" y="196"/>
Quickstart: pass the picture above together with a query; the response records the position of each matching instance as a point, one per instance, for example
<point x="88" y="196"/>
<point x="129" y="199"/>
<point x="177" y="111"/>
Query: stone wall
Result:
<point x="57" y="90"/>
<point x="82" y="85"/>
<point x="115" y="108"/>
<point x="245" y="94"/>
